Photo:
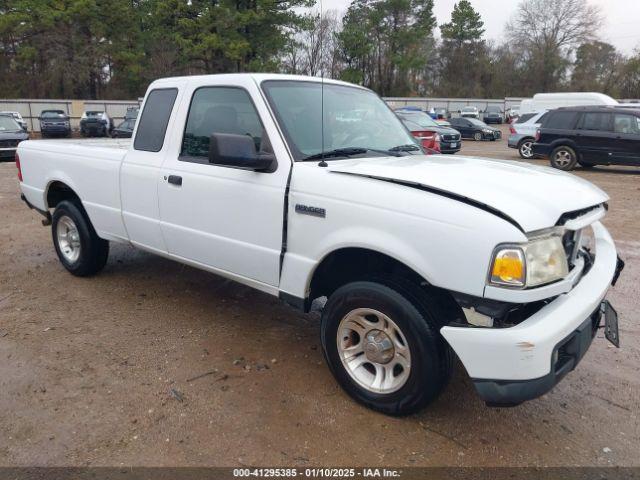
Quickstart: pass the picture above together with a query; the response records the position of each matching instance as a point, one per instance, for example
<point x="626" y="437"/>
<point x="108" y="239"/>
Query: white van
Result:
<point x="548" y="101"/>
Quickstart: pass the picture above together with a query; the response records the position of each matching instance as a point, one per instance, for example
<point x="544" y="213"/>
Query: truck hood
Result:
<point x="531" y="196"/>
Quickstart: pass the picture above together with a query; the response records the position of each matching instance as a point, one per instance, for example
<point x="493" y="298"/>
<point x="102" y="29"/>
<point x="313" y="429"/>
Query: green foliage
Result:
<point x="113" y="48"/>
<point x="463" y="54"/>
<point x="386" y="43"/>
<point x="465" y="25"/>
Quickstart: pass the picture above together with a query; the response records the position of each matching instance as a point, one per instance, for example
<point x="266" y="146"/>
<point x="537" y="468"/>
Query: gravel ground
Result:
<point x="155" y="363"/>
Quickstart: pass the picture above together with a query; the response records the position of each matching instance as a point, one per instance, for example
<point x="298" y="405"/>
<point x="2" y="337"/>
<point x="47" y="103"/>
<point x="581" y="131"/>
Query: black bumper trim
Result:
<point x="569" y="352"/>
<point x="46" y="214"/>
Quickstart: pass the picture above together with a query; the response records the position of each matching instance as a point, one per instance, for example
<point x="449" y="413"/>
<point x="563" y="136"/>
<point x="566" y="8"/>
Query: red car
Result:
<point x="433" y="137"/>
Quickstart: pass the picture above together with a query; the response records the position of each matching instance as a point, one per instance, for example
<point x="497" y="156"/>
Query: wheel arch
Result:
<point x="524" y="139"/>
<point x="565" y="142"/>
<point x="348" y="264"/>
<point x="58" y="191"/>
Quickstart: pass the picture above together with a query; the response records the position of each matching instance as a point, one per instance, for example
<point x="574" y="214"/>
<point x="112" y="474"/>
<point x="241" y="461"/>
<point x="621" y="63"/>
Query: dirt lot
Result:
<point x="88" y="366"/>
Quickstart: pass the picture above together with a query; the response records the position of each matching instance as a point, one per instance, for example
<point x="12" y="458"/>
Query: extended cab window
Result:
<point x="596" y="121"/>
<point x="154" y="120"/>
<point x="219" y="110"/>
<point x="626" y="124"/>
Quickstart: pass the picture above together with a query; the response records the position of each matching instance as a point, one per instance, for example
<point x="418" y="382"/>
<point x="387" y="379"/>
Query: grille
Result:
<point x="9" y="143"/>
<point x="497" y="134"/>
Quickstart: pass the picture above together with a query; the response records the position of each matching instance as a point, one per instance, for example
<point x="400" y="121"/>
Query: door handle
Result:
<point x="175" y="180"/>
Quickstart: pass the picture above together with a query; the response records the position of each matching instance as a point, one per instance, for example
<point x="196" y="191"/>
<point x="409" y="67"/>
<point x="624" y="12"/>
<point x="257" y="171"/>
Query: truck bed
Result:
<point x="90" y="167"/>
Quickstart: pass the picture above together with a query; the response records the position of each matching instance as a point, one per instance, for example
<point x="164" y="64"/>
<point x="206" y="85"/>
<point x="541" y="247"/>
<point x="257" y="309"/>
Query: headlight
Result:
<point x="541" y="260"/>
<point x="486" y="130"/>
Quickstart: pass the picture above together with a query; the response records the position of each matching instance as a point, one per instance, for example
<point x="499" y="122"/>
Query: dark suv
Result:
<point x="589" y="136"/>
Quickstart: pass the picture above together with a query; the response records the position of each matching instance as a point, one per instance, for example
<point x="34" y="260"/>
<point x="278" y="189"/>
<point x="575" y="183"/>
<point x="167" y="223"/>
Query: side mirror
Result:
<point x="239" y="151"/>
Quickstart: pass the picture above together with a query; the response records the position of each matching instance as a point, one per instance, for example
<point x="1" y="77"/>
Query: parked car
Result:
<point x="493" y="114"/>
<point x="54" y="123"/>
<point x="442" y="114"/>
<point x="470" y="112"/>
<point x="431" y="134"/>
<point x="523" y="133"/>
<point x="11" y="134"/>
<point x="230" y="174"/>
<point x="95" y="123"/>
<point x="475" y="129"/>
<point x="589" y="136"/>
<point x="18" y="118"/>
<point x="125" y="129"/>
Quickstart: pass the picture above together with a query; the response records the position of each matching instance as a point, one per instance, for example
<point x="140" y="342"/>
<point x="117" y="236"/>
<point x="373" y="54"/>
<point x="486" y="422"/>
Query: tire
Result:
<point x="418" y="362"/>
<point x="525" y="148"/>
<point x="563" y="158"/>
<point x="477" y="136"/>
<point x="79" y="248"/>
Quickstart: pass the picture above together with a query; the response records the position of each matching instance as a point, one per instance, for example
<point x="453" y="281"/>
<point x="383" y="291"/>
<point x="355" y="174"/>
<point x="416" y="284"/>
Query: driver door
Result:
<point x="224" y="219"/>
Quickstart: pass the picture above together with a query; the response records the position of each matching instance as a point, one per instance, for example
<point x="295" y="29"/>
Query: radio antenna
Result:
<point x="321" y="33"/>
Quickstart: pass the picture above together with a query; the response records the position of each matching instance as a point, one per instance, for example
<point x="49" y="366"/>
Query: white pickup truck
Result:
<point x="309" y="189"/>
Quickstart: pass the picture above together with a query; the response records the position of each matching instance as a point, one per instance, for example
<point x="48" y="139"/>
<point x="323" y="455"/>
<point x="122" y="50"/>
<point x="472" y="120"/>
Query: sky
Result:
<point x="622" y="18"/>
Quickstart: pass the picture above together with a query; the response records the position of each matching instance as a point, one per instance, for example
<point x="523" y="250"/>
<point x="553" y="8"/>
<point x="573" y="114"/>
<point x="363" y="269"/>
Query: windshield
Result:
<point x="469" y="109"/>
<point x="8" y="124"/>
<point x="94" y="114"/>
<point x="420" y="118"/>
<point x="353" y="118"/>
<point x="53" y="114"/>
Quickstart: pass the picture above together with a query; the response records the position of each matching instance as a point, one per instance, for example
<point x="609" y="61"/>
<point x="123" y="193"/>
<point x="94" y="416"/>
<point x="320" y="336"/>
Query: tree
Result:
<point x="466" y="25"/>
<point x="548" y="30"/>
<point x="597" y="68"/>
<point x="386" y="43"/>
<point x="463" y="53"/>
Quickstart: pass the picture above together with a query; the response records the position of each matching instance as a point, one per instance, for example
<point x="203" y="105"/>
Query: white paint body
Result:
<point x="548" y="101"/>
<point x="230" y="221"/>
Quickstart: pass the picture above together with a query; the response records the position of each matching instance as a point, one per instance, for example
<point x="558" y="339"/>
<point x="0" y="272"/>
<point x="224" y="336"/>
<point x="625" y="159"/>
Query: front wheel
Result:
<point x="384" y="347"/>
<point x="563" y="158"/>
<point x="525" y="149"/>
<point x="77" y="244"/>
<point x="477" y="136"/>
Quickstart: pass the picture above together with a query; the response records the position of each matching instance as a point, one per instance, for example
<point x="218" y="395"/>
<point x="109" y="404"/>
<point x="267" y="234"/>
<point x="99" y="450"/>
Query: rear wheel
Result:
<point x="525" y="148"/>
<point x="79" y="248"/>
<point x="563" y="158"/>
<point x="477" y="136"/>
<point x="383" y="345"/>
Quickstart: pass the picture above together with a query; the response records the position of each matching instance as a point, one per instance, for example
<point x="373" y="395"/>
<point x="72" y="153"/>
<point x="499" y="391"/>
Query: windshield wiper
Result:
<point x="348" y="152"/>
<point x="411" y="147"/>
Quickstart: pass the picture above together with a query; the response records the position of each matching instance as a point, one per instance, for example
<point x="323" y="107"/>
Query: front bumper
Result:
<point x="501" y="360"/>
<point x="8" y="152"/>
<point x="569" y="352"/>
<point x="55" y="130"/>
<point x="446" y="147"/>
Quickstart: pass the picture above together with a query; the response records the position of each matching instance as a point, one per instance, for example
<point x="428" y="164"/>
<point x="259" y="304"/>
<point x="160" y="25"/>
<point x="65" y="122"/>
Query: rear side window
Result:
<point x="154" y="119"/>
<point x="560" y="120"/>
<point x="525" y="117"/>
<point x="629" y="124"/>
<point x="596" y="121"/>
